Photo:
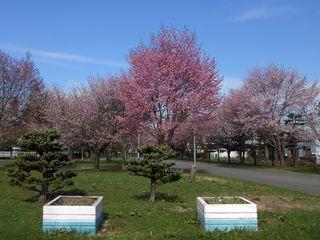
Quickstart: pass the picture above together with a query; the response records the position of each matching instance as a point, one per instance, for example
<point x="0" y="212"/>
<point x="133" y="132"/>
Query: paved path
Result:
<point x="308" y="183"/>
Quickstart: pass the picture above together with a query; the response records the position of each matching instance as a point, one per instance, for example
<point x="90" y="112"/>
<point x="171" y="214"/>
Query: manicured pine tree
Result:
<point x="153" y="165"/>
<point x="40" y="168"/>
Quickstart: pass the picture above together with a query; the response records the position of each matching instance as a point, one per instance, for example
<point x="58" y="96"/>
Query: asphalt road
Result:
<point x="308" y="183"/>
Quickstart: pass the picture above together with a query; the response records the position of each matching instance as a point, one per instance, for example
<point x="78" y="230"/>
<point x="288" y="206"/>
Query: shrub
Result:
<point x="153" y="164"/>
<point x="40" y="168"/>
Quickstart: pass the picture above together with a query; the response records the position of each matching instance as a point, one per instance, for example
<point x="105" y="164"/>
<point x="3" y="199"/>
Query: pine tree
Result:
<point x="154" y="165"/>
<point x="40" y="168"/>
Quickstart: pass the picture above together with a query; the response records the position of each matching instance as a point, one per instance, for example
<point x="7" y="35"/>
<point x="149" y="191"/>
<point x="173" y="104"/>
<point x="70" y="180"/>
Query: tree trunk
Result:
<point x="170" y="138"/>
<point x="218" y="152"/>
<point x="124" y="153"/>
<point x="153" y="191"/>
<point x="294" y="155"/>
<point x="242" y="150"/>
<point x="240" y="156"/>
<point x="193" y="173"/>
<point x="281" y="155"/>
<point x="274" y="154"/>
<point x="70" y="153"/>
<point x="266" y="154"/>
<point x="279" y="150"/>
<point x="82" y="153"/>
<point x="109" y="155"/>
<point x="44" y="191"/>
<point x="258" y="152"/>
<point x="255" y="157"/>
<point x="208" y="156"/>
<point x="229" y="157"/>
<point x="96" y="158"/>
<point x="42" y="198"/>
<point x="161" y="139"/>
<point x="290" y="158"/>
<point x="243" y="157"/>
<point x="124" y="156"/>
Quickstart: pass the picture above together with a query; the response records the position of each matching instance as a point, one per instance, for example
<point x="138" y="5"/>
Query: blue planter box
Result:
<point x="82" y="219"/>
<point x="226" y="217"/>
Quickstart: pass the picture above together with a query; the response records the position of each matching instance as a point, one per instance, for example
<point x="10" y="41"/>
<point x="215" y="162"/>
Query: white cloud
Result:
<point x="263" y="13"/>
<point x="43" y="60"/>
<point x="50" y="55"/>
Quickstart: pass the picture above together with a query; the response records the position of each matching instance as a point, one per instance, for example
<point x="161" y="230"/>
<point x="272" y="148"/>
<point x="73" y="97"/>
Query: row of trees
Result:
<point x="274" y="110"/>
<point x="170" y="93"/>
<point x="170" y="84"/>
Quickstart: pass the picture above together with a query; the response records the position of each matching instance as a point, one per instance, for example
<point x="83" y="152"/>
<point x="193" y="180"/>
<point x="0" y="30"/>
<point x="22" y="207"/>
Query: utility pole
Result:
<point x="194" y="165"/>
<point x="138" y="155"/>
<point x="194" y="149"/>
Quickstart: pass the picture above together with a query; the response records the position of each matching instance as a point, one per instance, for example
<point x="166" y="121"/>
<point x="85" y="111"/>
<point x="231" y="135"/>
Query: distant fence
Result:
<point x="8" y="154"/>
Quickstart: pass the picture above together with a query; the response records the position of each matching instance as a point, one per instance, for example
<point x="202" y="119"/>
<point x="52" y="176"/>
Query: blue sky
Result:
<point x="71" y="40"/>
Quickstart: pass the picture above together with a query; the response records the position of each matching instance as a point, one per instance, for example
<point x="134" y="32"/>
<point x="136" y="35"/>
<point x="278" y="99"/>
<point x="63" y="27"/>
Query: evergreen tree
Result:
<point x="40" y="168"/>
<point x="153" y="165"/>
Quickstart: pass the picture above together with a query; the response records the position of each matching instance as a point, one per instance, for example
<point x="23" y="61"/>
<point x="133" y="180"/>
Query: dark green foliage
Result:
<point x="154" y="165"/>
<point x="40" y="167"/>
<point x="8" y="144"/>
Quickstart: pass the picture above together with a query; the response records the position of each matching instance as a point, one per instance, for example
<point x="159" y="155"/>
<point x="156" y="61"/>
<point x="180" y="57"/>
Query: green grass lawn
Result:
<point x="114" y="164"/>
<point x="283" y="214"/>
<point x="297" y="169"/>
<point x="284" y="167"/>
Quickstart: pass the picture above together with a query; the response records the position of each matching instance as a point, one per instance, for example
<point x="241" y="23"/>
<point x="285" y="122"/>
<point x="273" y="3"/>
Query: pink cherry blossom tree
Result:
<point x="238" y="118"/>
<point x="170" y="81"/>
<point x="281" y="93"/>
<point x="88" y="116"/>
<point x="22" y="96"/>
<point x="219" y="134"/>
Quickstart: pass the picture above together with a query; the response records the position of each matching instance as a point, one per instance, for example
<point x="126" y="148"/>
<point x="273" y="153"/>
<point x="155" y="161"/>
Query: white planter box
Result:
<point x="86" y="218"/>
<point x="226" y="217"/>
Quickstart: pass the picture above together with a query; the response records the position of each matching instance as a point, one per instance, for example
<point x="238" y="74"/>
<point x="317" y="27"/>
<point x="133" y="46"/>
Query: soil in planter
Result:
<point x="75" y="201"/>
<point x="225" y="200"/>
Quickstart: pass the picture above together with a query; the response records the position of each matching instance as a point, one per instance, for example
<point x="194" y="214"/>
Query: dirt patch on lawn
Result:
<point x="280" y="203"/>
<point x="180" y="209"/>
<point x="217" y="180"/>
<point x="4" y="163"/>
<point x="106" y="229"/>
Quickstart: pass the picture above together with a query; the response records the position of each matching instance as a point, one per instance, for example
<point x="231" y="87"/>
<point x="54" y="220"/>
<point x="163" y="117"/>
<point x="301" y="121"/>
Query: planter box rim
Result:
<point x="202" y="201"/>
<point x="49" y="204"/>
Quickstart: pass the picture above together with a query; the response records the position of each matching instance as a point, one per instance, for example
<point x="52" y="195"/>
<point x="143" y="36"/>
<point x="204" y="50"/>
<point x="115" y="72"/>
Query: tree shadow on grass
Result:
<point x="71" y="192"/>
<point x="32" y="199"/>
<point x="101" y="169"/>
<point x="187" y="170"/>
<point x="102" y="231"/>
<point x="159" y="197"/>
<point x="117" y="168"/>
